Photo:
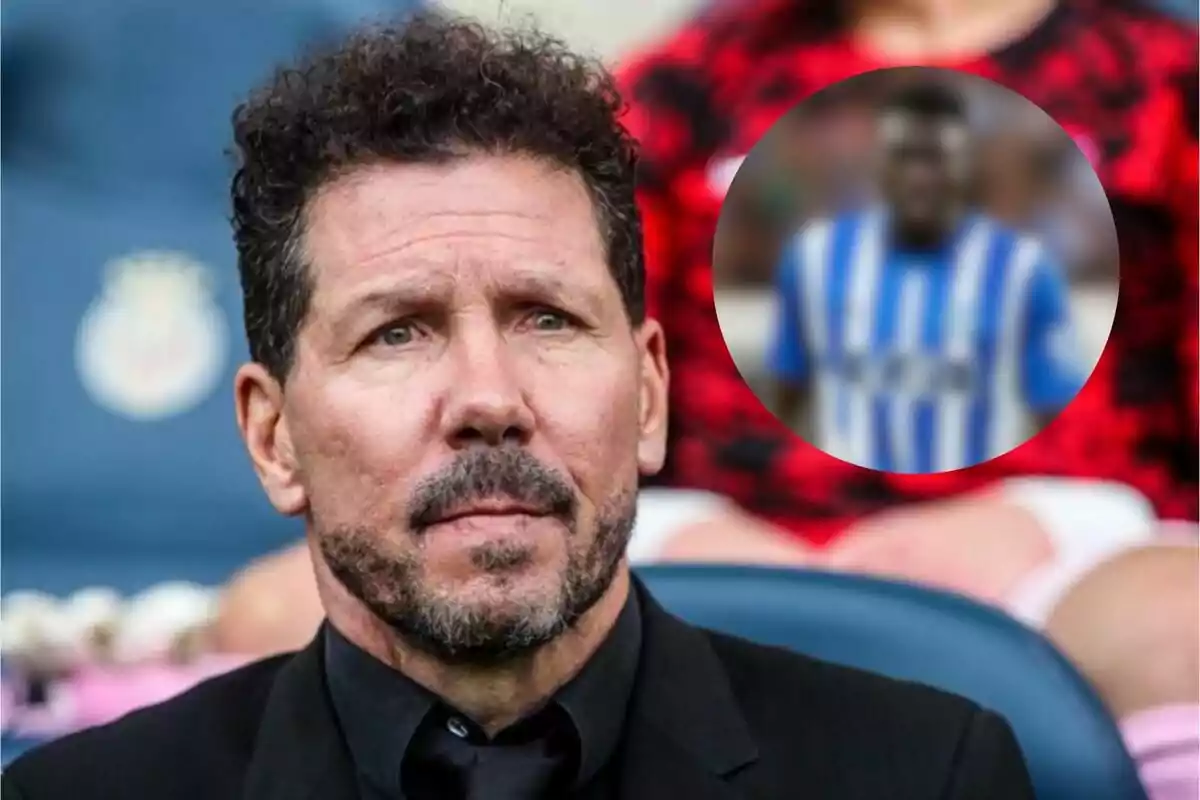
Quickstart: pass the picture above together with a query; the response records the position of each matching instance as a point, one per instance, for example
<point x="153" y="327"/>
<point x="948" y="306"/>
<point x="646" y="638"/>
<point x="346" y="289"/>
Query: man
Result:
<point x="915" y="336"/>
<point x="455" y="384"/>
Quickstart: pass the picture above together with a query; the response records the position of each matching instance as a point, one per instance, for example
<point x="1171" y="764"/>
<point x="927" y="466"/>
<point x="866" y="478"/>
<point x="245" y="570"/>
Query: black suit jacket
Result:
<point x="712" y="718"/>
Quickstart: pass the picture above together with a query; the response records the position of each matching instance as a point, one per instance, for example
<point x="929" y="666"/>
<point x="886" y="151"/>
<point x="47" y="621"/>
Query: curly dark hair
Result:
<point x="428" y="90"/>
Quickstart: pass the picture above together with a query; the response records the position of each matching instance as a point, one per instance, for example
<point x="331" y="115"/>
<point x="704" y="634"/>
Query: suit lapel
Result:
<point x="298" y="752"/>
<point x="686" y="733"/>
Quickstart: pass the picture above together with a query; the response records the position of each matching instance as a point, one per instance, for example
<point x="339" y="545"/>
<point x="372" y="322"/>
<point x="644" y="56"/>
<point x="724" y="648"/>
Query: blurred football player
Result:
<point x="922" y="335"/>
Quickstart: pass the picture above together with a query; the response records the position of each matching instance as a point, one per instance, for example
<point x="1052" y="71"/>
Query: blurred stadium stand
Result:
<point x="605" y="28"/>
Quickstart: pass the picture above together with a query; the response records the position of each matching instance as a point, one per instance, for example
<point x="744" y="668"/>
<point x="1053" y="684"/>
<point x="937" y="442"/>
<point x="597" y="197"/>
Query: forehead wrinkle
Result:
<point x="419" y="240"/>
<point x="496" y="221"/>
<point x="399" y="237"/>
<point x="381" y="248"/>
<point x="432" y="280"/>
<point x="425" y="267"/>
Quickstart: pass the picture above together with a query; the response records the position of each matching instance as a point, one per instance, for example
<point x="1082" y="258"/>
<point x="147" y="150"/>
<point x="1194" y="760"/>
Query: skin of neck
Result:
<point x="912" y="30"/>
<point x="494" y="697"/>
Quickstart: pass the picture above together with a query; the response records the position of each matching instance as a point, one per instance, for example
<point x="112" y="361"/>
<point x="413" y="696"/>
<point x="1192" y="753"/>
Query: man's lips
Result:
<point x="491" y="508"/>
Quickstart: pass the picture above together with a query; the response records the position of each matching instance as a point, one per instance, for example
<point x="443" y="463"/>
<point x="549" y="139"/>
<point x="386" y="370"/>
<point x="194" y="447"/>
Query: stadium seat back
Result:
<point x="1073" y="747"/>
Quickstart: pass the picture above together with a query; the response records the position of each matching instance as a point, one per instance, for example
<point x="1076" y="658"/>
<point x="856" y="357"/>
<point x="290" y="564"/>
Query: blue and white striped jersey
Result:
<point x="923" y="361"/>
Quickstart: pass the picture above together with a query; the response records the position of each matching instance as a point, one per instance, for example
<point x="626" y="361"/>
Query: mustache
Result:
<point x="488" y="474"/>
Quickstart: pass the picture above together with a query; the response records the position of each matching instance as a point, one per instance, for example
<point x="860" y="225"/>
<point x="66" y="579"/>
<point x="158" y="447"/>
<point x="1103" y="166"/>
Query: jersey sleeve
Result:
<point x="787" y="358"/>
<point x="1053" y="368"/>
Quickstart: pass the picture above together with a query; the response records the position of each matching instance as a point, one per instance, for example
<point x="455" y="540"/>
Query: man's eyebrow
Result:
<point x="429" y="289"/>
<point x="396" y="297"/>
<point x="544" y="283"/>
<point x="390" y="299"/>
<point x="552" y="286"/>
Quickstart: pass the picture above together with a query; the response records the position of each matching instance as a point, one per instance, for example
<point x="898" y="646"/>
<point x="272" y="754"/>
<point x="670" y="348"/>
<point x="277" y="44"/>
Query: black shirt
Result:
<point x="408" y="744"/>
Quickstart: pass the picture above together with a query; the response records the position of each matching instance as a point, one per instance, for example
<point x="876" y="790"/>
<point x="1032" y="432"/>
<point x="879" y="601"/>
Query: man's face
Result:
<point x="469" y="408"/>
<point x="925" y="169"/>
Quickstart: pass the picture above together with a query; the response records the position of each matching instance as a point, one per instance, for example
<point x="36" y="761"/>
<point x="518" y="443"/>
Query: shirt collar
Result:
<point x="380" y="710"/>
<point x="597" y="697"/>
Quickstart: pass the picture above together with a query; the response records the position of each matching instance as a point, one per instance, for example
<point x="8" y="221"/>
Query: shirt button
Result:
<point x="457" y="727"/>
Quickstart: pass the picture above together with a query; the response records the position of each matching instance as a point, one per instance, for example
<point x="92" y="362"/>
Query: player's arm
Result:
<point x="1053" y="370"/>
<point x="787" y="355"/>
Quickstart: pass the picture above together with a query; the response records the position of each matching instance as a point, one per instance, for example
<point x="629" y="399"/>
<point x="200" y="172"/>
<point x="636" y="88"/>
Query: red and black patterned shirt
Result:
<point x="1121" y="79"/>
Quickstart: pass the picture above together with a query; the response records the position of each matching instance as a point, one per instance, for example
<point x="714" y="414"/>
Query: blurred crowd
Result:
<point x="124" y="470"/>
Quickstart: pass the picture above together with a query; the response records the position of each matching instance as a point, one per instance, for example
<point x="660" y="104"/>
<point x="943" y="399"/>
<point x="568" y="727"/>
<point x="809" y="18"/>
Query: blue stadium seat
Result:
<point x="122" y="464"/>
<point x="1073" y="748"/>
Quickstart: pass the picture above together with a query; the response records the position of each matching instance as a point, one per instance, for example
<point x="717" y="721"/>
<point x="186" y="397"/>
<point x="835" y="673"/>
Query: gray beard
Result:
<point x="390" y="587"/>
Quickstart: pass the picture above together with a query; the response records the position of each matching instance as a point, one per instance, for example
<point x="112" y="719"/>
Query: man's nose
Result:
<point x="486" y="401"/>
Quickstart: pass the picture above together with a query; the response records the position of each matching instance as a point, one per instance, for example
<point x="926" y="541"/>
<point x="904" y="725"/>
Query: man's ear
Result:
<point x="655" y="380"/>
<point x="258" y="399"/>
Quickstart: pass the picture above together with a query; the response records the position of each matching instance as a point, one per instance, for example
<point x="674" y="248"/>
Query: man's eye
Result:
<point x="546" y="320"/>
<point x="396" y="335"/>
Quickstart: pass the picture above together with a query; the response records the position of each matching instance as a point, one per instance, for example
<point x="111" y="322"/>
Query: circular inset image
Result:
<point x="916" y="270"/>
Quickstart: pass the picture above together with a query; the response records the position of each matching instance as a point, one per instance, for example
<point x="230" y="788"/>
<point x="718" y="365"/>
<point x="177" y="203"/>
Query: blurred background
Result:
<point x="819" y="160"/>
<point x="126" y="498"/>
